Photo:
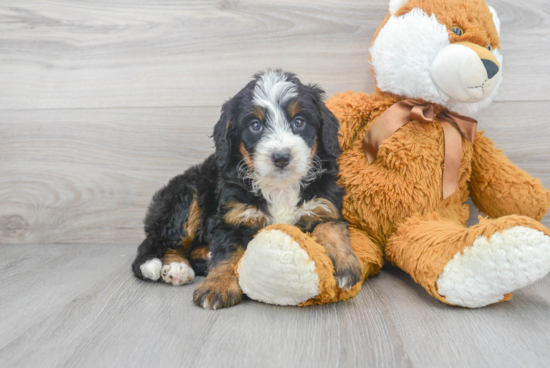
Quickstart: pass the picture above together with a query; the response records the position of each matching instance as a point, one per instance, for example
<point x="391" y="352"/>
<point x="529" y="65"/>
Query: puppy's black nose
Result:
<point x="281" y="159"/>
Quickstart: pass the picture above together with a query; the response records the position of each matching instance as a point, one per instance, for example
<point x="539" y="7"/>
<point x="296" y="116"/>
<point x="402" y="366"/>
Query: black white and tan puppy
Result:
<point x="275" y="162"/>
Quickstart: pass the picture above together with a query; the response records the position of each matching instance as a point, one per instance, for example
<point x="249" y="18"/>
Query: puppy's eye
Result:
<point x="489" y="47"/>
<point x="256" y="126"/>
<point x="457" y="30"/>
<point x="299" y="123"/>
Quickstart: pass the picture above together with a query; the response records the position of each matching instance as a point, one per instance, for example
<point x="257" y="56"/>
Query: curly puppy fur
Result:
<point x="275" y="162"/>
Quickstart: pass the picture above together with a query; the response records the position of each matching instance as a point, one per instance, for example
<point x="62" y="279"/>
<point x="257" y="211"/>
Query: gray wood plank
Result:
<point x="37" y="280"/>
<point x="90" y="174"/>
<point x="122" y="53"/>
<point x="87" y="176"/>
<point x="110" y="319"/>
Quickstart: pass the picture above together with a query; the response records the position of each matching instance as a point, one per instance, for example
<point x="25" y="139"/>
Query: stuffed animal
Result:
<point x="411" y="157"/>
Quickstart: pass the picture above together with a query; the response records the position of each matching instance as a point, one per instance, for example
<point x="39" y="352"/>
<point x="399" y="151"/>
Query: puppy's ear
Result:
<point x="222" y="139"/>
<point x="329" y="123"/>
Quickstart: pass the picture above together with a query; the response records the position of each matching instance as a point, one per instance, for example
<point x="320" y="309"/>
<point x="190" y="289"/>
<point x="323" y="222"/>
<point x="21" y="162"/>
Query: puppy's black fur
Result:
<point x="218" y="184"/>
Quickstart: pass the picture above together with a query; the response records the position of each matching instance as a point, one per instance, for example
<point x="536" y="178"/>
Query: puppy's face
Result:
<point x="278" y="126"/>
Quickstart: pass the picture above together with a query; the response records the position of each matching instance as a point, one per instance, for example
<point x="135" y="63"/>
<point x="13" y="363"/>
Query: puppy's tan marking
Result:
<point x="191" y="225"/>
<point x="201" y="252"/>
<point x="319" y="209"/>
<point x="174" y="256"/>
<point x="313" y="150"/>
<point x="246" y="156"/>
<point x="221" y="287"/>
<point x="240" y="214"/>
<point x="258" y="112"/>
<point x="293" y="109"/>
<point x="334" y="237"/>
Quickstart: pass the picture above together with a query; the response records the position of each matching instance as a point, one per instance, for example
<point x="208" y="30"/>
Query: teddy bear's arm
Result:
<point x="352" y="110"/>
<point x="499" y="188"/>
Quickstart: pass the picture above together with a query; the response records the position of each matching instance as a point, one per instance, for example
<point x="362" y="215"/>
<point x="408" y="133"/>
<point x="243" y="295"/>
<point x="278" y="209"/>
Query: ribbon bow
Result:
<point x="453" y="125"/>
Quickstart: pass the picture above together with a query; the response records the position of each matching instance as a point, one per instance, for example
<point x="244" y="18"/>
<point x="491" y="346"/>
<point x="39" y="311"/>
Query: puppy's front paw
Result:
<point x="177" y="273"/>
<point x="347" y="272"/>
<point x="214" y="294"/>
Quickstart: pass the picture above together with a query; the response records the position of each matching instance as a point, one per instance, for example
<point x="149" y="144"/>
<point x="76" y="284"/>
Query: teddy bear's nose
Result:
<point x="491" y="67"/>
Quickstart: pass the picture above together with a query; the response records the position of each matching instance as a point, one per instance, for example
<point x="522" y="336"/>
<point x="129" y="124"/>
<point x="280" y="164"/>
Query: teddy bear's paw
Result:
<point x="347" y="272"/>
<point x="276" y="270"/>
<point x="151" y="269"/>
<point x="177" y="273"/>
<point x="216" y="294"/>
<point x="491" y="268"/>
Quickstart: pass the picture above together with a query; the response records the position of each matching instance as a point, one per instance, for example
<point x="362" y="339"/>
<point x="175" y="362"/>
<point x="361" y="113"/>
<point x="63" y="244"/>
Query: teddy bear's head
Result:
<point x="442" y="51"/>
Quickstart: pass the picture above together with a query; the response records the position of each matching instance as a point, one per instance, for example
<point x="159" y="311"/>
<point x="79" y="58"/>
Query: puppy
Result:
<point x="275" y="162"/>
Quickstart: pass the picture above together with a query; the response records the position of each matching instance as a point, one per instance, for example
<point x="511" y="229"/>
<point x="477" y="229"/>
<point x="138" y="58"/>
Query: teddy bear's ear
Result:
<point x="495" y="19"/>
<point x="395" y="5"/>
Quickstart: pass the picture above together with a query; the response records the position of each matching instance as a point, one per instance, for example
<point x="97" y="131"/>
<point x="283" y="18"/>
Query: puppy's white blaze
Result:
<point x="273" y="89"/>
<point x="271" y="92"/>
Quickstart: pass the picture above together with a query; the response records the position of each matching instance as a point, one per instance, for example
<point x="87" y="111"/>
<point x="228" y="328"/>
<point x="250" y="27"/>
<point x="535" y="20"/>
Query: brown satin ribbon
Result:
<point x="453" y="125"/>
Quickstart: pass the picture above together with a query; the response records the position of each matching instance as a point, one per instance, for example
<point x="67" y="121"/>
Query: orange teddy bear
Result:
<point x="411" y="157"/>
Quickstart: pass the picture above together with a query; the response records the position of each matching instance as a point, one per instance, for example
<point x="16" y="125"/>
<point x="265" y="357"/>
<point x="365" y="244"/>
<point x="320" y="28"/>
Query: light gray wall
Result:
<point x="103" y="101"/>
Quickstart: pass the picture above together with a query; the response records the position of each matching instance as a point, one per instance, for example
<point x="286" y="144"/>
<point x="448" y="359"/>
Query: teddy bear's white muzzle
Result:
<point x="460" y="72"/>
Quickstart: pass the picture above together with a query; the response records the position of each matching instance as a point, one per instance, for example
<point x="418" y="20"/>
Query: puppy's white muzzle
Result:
<point x="466" y="72"/>
<point x="275" y="146"/>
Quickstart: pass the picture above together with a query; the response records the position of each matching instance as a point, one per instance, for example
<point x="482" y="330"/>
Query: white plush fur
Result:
<point x="395" y="5"/>
<point x="151" y="269"/>
<point x="496" y="21"/>
<point x="276" y="270"/>
<point x="177" y="273"/>
<point x="402" y="56"/>
<point x="458" y="71"/>
<point x="490" y="268"/>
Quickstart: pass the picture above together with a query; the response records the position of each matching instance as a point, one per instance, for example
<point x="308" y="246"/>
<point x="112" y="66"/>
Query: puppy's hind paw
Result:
<point x="151" y="269"/>
<point x="177" y="273"/>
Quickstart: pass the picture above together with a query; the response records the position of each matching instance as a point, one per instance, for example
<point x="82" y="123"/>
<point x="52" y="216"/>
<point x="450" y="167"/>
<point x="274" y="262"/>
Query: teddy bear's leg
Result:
<point x="471" y="267"/>
<point x="370" y="254"/>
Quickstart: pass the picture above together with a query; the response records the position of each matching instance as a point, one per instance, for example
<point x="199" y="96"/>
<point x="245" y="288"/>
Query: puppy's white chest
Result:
<point x="283" y="205"/>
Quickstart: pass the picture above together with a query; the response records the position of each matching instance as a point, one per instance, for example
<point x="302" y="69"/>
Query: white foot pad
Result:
<point x="275" y="270"/>
<point x="177" y="274"/>
<point x="490" y="268"/>
<point x="151" y="269"/>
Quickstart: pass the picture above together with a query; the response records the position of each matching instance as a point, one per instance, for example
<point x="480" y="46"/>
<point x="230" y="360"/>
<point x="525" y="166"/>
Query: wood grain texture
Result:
<point x="101" y="316"/>
<point x="87" y="176"/>
<point x="139" y="53"/>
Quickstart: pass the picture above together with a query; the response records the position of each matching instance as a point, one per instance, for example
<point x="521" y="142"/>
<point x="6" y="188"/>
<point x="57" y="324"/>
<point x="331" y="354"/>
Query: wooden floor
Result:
<point x="103" y="101"/>
<point x="80" y="306"/>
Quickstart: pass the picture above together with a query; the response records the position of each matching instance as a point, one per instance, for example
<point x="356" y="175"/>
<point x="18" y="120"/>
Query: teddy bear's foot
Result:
<point x="276" y="270"/>
<point x="491" y="268"/>
<point x="177" y="273"/>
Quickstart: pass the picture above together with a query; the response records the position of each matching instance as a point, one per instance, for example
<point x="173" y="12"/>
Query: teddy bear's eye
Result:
<point x="457" y="30"/>
<point x="489" y="47"/>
